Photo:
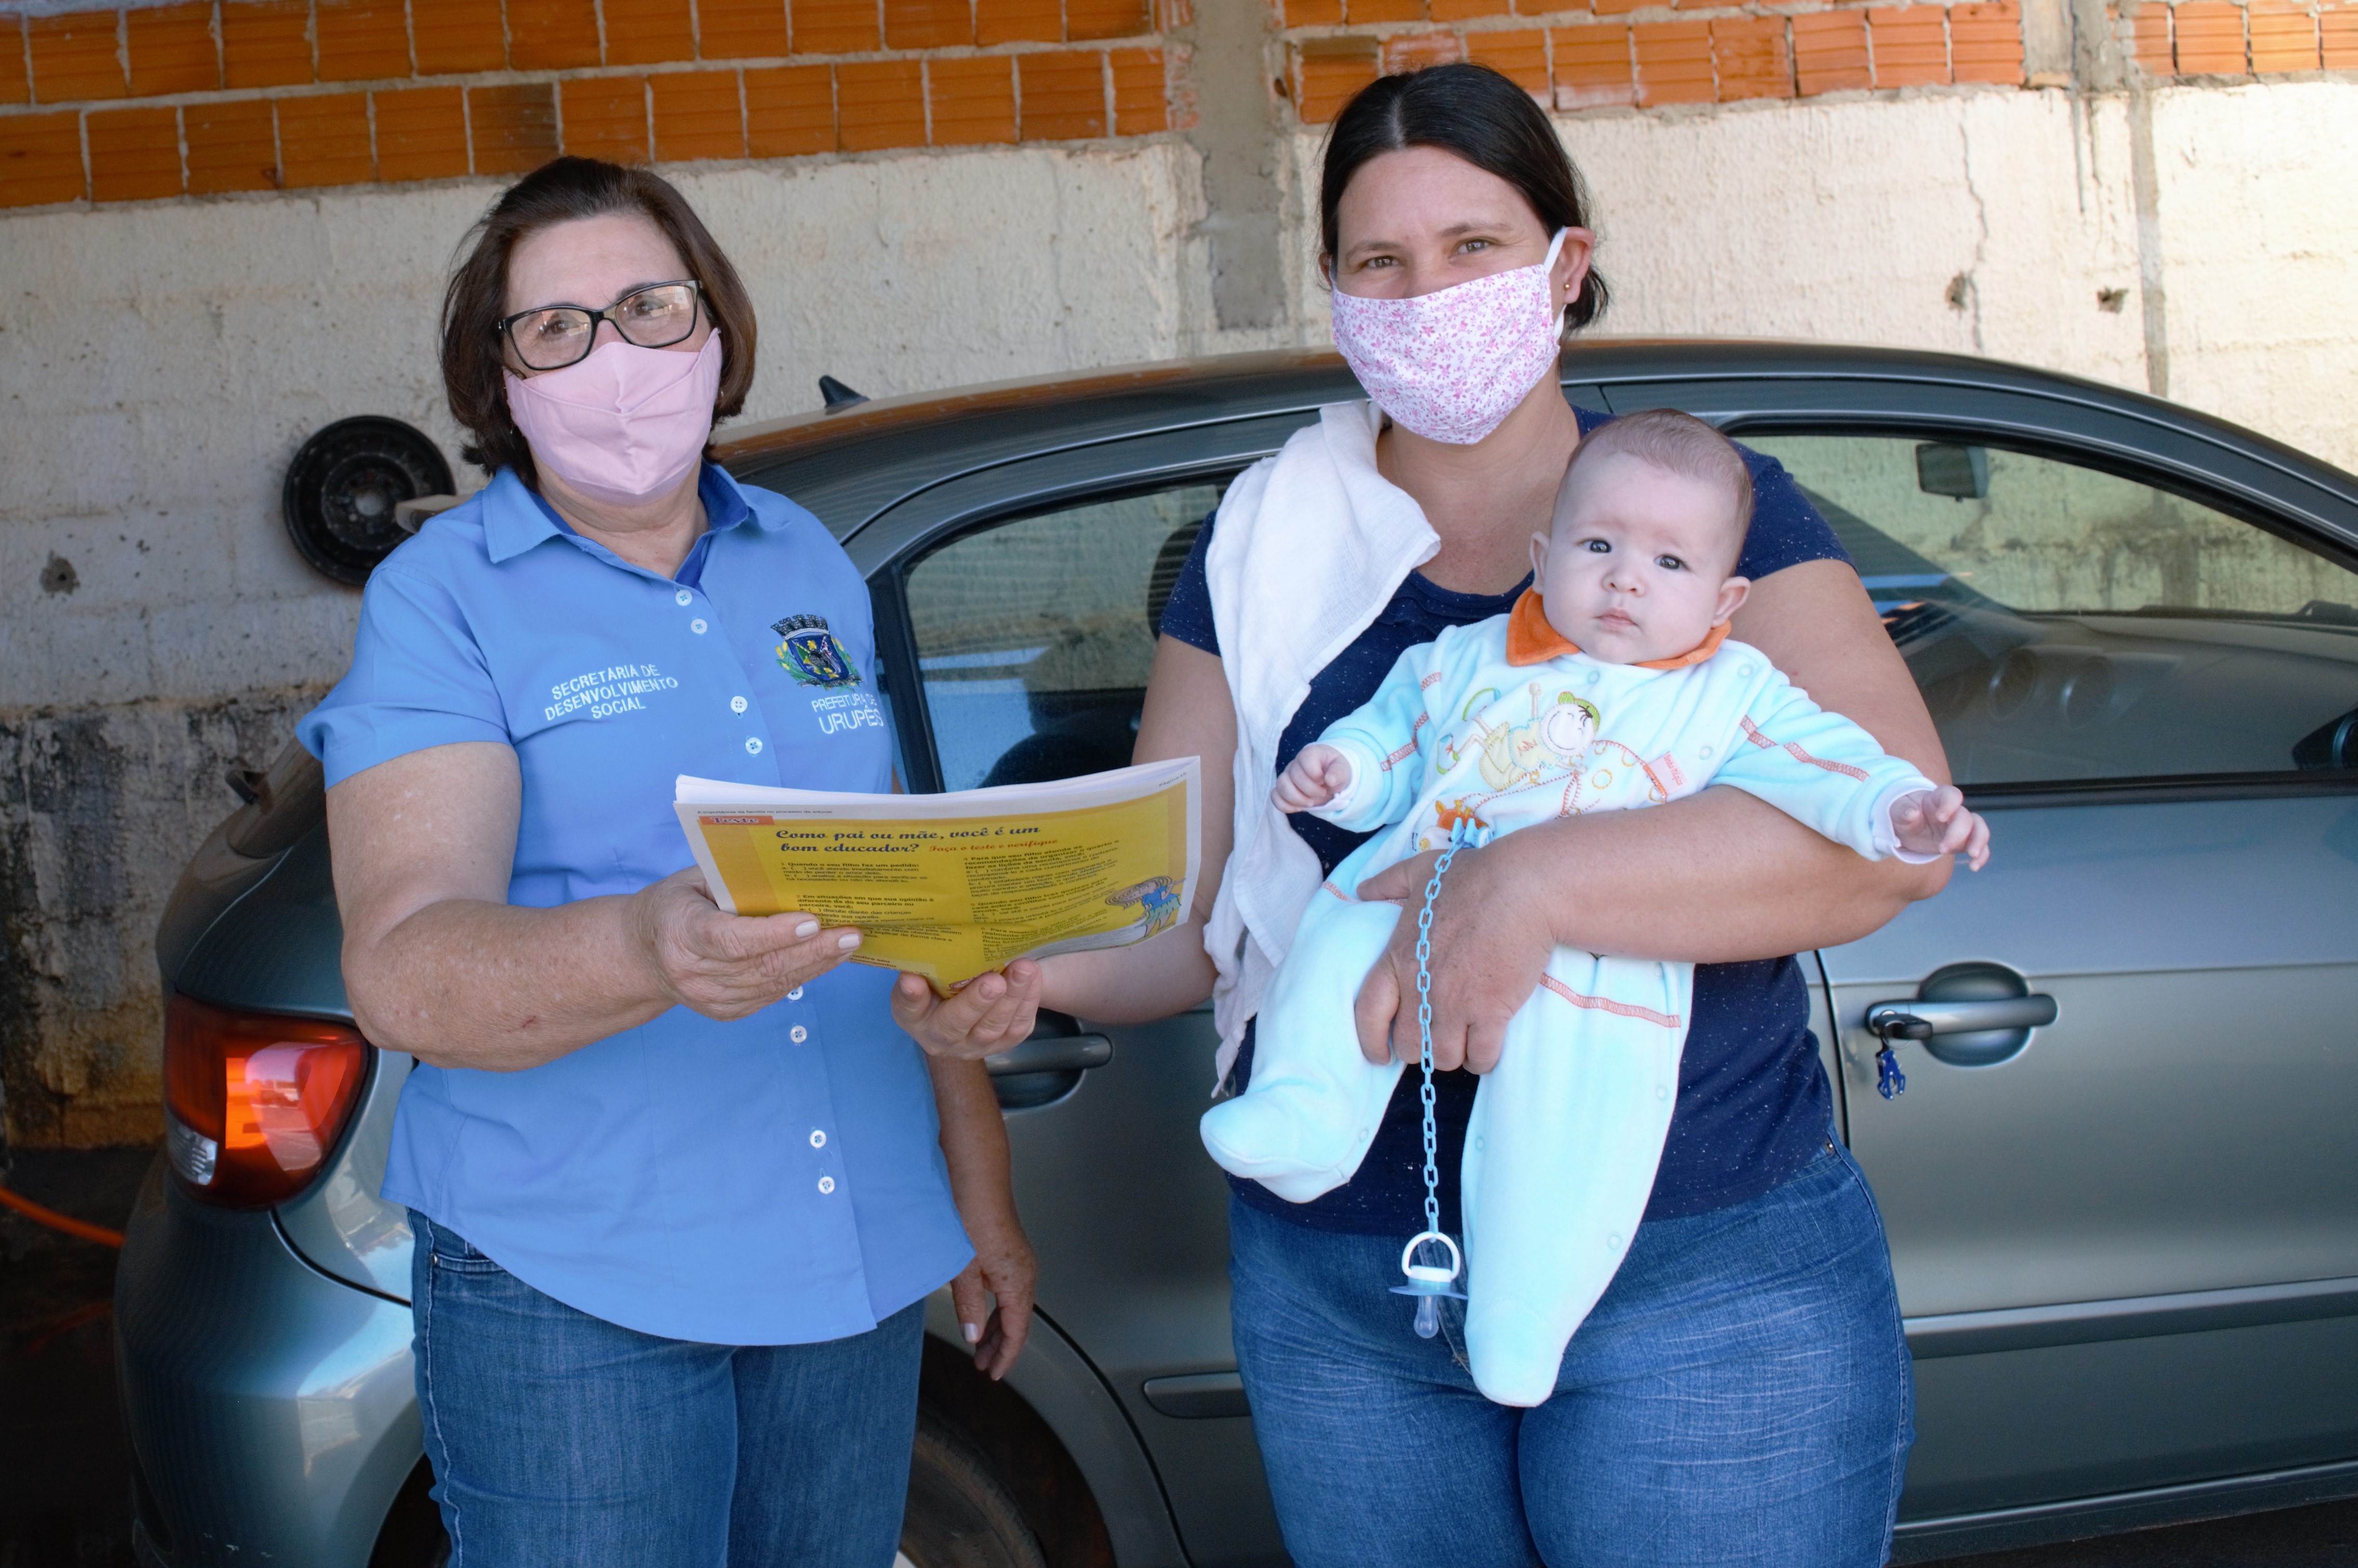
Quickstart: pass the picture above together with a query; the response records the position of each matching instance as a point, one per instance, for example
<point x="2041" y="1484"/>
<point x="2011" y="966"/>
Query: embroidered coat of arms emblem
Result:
<point x="813" y="655"/>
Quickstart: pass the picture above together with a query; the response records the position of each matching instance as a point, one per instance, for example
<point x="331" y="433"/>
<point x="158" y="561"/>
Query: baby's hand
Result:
<point x="1316" y="775"/>
<point x="1935" y="822"/>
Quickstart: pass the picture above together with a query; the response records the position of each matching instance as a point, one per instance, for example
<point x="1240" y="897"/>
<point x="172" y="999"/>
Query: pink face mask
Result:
<point x="623" y="425"/>
<point x="1451" y="365"/>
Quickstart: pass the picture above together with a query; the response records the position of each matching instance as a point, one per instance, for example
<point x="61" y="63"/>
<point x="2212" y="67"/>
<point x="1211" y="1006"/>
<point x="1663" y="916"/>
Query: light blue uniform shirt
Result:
<point x="778" y="1179"/>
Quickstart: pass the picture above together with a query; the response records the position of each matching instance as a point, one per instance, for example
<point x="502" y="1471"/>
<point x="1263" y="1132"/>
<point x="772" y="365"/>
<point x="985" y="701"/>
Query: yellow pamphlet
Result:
<point x="950" y="886"/>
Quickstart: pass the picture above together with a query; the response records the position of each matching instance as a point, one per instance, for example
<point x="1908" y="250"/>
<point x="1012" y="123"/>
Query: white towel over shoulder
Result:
<point x="1307" y="550"/>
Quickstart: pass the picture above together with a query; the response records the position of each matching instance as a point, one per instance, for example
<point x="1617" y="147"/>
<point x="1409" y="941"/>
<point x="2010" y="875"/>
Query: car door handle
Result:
<point x="1916" y="1018"/>
<point x="1051" y="1053"/>
<point x="1198" y="1396"/>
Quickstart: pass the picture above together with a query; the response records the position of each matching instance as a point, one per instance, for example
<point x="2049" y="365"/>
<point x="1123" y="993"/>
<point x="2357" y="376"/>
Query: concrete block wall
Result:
<point x="226" y="224"/>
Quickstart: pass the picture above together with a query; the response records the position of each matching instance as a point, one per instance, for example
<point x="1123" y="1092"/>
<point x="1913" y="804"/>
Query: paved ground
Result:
<point x="63" y="1476"/>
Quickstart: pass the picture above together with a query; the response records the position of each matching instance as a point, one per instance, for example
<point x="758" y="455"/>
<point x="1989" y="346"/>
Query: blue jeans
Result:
<point x="1741" y="1395"/>
<point x="560" y="1438"/>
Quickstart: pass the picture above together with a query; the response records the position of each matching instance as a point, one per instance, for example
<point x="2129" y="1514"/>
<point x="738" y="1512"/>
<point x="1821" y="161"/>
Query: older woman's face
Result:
<point x="1420" y="220"/>
<point x="594" y="262"/>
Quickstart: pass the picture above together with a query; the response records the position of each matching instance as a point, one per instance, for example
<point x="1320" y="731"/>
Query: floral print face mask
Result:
<point x="1451" y="365"/>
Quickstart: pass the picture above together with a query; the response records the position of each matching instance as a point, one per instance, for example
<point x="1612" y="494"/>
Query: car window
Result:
<point x="2066" y="624"/>
<point x="1035" y="635"/>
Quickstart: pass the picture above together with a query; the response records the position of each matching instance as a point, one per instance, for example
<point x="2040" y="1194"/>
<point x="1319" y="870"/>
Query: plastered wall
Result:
<point x="2256" y="253"/>
<point x="161" y="358"/>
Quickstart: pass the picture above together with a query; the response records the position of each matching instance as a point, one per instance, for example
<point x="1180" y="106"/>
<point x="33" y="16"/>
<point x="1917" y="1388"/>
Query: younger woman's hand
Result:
<point x="1488" y="954"/>
<point x="989" y="1013"/>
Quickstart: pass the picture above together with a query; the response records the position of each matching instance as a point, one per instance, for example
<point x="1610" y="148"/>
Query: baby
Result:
<point x="1611" y="685"/>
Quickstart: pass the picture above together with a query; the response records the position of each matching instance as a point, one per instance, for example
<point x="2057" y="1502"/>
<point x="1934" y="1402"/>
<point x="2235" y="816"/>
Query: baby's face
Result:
<point x="1637" y="566"/>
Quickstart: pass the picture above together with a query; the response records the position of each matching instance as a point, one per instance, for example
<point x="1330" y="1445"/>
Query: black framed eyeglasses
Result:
<point x="554" y="336"/>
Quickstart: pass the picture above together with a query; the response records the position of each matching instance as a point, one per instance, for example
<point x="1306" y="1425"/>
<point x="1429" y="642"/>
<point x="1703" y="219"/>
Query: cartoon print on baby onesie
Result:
<point x="1511" y="755"/>
<point x="1539" y="750"/>
<point x="1516" y="755"/>
<point x="1568" y="728"/>
<point x="1613" y="771"/>
<point x="1456" y="746"/>
<point x="1448" y="815"/>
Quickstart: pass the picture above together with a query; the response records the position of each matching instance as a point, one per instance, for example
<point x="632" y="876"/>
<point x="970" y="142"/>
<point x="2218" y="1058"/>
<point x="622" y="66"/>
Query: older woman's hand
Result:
<point x="993" y="1293"/>
<point x="729" y="966"/>
<point x="989" y="1014"/>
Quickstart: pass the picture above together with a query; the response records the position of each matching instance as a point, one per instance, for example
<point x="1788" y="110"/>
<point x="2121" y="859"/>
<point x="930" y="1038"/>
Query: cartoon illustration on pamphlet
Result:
<point x="1158" y="900"/>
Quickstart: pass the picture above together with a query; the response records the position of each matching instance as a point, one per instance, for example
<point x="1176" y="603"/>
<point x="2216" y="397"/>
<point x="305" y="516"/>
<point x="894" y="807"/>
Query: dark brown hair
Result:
<point x="1479" y="115"/>
<point x="1675" y="443"/>
<point x="558" y="192"/>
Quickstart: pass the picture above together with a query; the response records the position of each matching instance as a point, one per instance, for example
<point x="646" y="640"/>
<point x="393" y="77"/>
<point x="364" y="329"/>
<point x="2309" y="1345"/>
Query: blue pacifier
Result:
<point x="1429" y="1282"/>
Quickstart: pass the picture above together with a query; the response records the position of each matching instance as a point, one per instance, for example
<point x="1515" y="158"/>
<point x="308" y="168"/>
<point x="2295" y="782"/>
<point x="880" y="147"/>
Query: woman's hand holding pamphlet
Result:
<point x="951" y="886"/>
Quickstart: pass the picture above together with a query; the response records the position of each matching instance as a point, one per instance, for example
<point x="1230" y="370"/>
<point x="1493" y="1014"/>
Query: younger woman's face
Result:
<point x="1420" y="220"/>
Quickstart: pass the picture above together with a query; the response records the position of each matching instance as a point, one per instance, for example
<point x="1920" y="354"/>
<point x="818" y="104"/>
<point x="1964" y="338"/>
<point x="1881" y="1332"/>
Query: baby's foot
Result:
<point x="1514" y="1355"/>
<point x="1268" y="1138"/>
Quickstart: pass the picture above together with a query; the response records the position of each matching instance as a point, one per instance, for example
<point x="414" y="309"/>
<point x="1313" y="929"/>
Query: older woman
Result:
<point x="678" y="1179"/>
<point x="1741" y="1394"/>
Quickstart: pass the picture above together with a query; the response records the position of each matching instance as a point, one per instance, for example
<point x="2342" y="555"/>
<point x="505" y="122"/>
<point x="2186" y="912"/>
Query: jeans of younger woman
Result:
<point x="1741" y="1396"/>
<point x="558" y="1437"/>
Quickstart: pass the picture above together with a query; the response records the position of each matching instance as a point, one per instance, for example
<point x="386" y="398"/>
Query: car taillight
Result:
<point x="253" y="1103"/>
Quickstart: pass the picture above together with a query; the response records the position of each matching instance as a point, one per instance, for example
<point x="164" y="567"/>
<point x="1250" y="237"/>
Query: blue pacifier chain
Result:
<point x="1429" y="1282"/>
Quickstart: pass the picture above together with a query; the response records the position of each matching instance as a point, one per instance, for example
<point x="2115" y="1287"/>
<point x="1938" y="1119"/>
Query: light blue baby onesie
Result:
<point x="1567" y="1131"/>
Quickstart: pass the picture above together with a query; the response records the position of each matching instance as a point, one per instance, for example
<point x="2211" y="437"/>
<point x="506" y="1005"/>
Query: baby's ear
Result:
<point x="1732" y="594"/>
<point x="1539" y="560"/>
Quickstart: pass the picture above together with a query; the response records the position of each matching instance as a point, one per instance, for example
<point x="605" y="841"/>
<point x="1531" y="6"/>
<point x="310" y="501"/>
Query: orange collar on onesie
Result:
<point x="1531" y="641"/>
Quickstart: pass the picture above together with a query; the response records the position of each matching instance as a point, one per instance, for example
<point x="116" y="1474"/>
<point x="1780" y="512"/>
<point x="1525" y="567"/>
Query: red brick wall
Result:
<point x="207" y="96"/>
<point x="2206" y="37"/>
<point x="1655" y="53"/>
<point x="220" y="95"/>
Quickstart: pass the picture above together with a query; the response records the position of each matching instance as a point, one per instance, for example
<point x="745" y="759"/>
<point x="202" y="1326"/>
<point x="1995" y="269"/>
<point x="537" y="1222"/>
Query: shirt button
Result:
<point x="818" y="1139"/>
<point x="683" y="597"/>
<point x="826" y="1184"/>
<point x="795" y="994"/>
<point x="753" y="744"/>
<point x="697" y="626"/>
<point x="736" y="704"/>
<point x="797" y="1034"/>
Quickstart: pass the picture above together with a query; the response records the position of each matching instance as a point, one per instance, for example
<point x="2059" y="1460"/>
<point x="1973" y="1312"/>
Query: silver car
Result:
<point x="2121" y="1184"/>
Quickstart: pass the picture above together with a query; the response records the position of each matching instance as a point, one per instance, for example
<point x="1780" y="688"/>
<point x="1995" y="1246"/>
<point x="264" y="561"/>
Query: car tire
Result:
<point x="960" y="1515"/>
